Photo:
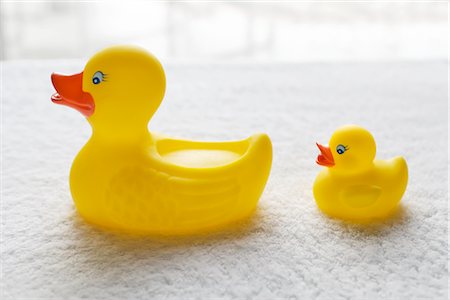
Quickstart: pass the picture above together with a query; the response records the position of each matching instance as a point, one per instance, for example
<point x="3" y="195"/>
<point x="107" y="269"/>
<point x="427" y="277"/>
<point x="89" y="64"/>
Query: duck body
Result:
<point x="131" y="179"/>
<point x="374" y="193"/>
<point x="354" y="185"/>
<point x="155" y="186"/>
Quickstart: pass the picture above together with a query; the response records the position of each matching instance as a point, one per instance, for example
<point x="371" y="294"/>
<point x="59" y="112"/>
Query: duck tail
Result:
<point x="261" y="150"/>
<point x="400" y="162"/>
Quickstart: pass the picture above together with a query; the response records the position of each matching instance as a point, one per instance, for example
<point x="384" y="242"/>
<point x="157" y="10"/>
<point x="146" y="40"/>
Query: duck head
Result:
<point x="351" y="149"/>
<point x="118" y="91"/>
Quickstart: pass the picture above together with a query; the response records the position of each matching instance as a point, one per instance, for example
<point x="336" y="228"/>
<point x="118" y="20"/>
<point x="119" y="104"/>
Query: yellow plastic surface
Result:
<point x="126" y="177"/>
<point x="358" y="186"/>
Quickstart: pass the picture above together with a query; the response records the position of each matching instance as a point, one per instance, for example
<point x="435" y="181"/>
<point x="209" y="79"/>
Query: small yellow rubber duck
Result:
<point x="128" y="178"/>
<point x="355" y="185"/>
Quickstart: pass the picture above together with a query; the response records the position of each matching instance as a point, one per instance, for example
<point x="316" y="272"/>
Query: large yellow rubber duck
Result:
<point x="128" y="178"/>
<point x="354" y="185"/>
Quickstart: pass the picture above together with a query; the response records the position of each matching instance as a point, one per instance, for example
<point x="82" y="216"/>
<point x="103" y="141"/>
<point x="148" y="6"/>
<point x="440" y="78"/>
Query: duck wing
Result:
<point x="359" y="196"/>
<point x="143" y="198"/>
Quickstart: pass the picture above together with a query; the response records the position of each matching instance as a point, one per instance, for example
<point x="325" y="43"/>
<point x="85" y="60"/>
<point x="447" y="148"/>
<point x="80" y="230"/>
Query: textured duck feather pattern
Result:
<point x="138" y="196"/>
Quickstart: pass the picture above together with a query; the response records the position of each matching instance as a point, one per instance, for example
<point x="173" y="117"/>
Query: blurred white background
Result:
<point x="228" y="31"/>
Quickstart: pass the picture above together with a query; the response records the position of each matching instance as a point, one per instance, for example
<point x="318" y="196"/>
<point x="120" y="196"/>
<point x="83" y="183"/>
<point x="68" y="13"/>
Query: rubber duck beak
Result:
<point x="325" y="158"/>
<point x="69" y="92"/>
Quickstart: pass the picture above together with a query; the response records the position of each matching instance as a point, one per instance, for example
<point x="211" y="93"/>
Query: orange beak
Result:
<point x="325" y="157"/>
<point x="69" y="92"/>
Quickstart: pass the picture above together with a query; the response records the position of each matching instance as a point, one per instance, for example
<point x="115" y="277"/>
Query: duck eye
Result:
<point x="340" y="149"/>
<point x="98" y="77"/>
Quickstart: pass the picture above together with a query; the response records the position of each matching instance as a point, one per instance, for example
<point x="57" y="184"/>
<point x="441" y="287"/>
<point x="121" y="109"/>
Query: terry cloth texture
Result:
<point x="288" y="249"/>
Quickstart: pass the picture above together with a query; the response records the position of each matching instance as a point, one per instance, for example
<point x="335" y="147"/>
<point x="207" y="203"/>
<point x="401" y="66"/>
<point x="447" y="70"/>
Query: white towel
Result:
<point x="288" y="249"/>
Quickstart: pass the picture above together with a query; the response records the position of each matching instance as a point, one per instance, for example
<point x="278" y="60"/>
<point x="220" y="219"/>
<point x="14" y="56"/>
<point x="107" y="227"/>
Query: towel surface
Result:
<point x="288" y="249"/>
